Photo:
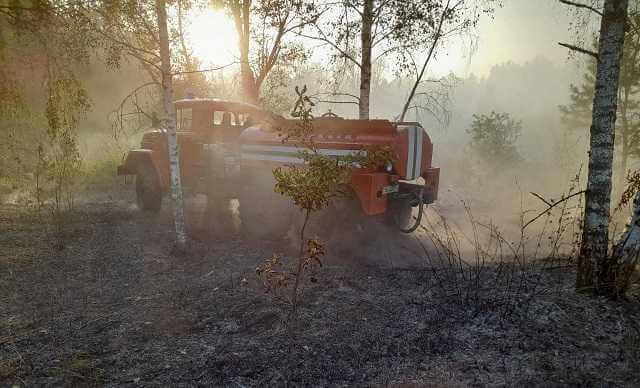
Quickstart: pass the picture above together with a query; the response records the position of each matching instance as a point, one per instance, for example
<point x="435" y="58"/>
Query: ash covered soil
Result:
<point x="115" y="307"/>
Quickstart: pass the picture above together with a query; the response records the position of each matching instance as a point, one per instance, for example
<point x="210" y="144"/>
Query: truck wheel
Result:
<point x="148" y="191"/>
<point x="218" y="217"/>
<point x="341" y="225"/>
<point x="399" y="214"/>
<point x="264" y="214"/>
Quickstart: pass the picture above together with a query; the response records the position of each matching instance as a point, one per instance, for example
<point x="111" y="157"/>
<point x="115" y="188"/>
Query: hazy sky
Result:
<point x="518" y="32"/>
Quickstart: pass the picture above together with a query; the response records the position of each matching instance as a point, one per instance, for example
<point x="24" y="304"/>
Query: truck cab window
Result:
<point x="238" y="119"/>
<point x="183" y="119"/>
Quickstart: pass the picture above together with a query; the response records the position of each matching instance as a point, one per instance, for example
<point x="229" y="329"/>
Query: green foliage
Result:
<point x="311" y="185"/>
<point x="42" y="41"/>
<point x="12" y="110"/>
<point x="401" y="28"/>
<point x="67" y="104"/>
<point x="494" y="137"/>
<point x="100" y="171"/>
<point x="58" y="166"/>
<point x="377" y="156"/>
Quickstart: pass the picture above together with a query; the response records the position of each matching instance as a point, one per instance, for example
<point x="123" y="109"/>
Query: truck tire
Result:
<point x="148" y="191"/>
<point x="399" y="214"/>
<point x="342" y="226"/>
<point x="264" y="214"/>
<point x="218" y="217"/>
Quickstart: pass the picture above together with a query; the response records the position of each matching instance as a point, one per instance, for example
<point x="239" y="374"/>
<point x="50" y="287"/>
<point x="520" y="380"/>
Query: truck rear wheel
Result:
<point x="148" y="191"/>
<point x="264" y="214"/>
<point x="399" y="214"/>
<point x="342" y="225"/>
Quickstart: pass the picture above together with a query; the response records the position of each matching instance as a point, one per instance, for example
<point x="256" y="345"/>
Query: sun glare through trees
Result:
<point x="322" y="193"/>
<point x="213" y="37"/>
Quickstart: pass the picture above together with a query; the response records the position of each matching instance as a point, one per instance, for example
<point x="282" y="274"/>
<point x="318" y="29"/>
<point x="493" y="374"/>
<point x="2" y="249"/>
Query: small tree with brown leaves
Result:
<point x="311" y="186"/>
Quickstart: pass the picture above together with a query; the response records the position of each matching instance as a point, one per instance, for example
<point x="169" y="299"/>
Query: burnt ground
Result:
<point x="116" y="307"/>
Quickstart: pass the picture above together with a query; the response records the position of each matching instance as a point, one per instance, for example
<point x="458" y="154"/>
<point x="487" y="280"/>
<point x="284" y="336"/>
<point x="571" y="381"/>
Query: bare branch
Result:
<point x="124" y="100"/>
<point x="206" y="70"/>
<point x="436" y="38"/>
<point x="336" y="94"/>
<point x="330" y="43"/>
<point x="579" y="49"/>
<point x="338" y="102"/>
<point x="540" y="197"/>
<point x="129" y="46"/>
<point x="580" y="5"/>
<point x="551" y="207"/>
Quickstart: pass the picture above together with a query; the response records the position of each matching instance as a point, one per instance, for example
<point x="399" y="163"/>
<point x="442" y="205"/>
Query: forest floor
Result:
<point x="115" y="307"/>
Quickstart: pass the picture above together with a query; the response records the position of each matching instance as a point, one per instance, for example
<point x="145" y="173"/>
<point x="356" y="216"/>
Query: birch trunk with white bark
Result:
<point x="365" y="63"/>
<point x="169" y="123"/>
<point x="595" y="268"/>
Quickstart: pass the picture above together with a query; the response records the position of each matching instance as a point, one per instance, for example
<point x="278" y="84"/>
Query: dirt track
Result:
<point x="115" y="307"/>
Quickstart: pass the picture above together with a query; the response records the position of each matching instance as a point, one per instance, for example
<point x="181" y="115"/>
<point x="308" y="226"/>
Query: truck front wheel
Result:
<point x="148" y="191"/>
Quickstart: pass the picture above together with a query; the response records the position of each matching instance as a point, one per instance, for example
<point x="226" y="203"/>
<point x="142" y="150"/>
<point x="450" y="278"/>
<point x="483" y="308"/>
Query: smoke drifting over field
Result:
<point x="530" y="92"/>
<point x="516" y="68"/>
<point x="550" y="155"/>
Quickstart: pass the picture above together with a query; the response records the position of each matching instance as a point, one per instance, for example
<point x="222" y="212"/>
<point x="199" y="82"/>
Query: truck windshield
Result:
<point x="183" y="119"/>
<point x="227" y="119"/>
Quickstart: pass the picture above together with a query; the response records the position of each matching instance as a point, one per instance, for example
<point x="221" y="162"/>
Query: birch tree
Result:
<point x="596" y="268"/>
<point x="578" y="113"/>
<point x="139" y="30"/>
<point x="362" y="32"/>
<point x="169" y="123"/>
<point x="353" y="29"/>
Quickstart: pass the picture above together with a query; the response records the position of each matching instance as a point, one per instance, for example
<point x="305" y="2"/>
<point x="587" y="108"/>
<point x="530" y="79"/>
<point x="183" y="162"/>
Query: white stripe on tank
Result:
<point x="418" y="166"/>
<point x="323" y="151"/>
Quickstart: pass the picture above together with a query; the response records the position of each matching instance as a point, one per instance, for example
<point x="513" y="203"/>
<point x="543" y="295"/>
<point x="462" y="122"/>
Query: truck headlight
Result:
<point x="388" y="167"/>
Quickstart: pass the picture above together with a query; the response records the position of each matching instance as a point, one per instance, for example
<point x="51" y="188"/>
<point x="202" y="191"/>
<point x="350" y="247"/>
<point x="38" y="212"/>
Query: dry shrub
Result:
<point x="630" y="344"/>
<point x="481" y="270"/>
<point x="8" y="368"/>
<point x="286" y="284"/>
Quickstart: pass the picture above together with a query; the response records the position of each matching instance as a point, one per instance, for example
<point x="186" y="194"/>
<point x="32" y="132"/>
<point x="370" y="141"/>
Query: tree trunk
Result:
<point x="170" y="125"/>
<point x="240" y="11"/>
<point x="595" y="269"/>
<point x="251" y="93"/>
<point x="249" y="89"/>
<point x="365" y="65"/>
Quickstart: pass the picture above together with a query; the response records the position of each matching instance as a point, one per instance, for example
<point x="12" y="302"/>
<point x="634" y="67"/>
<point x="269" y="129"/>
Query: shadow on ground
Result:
<point x="116" y="308"/>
